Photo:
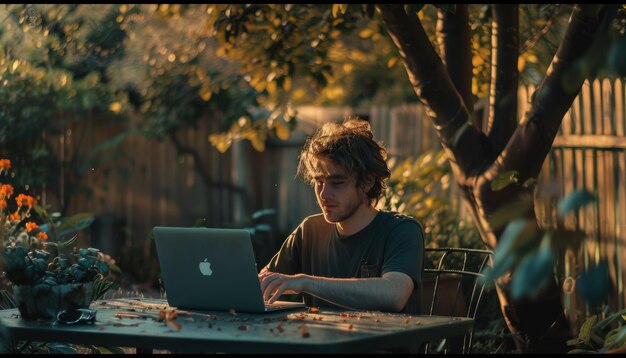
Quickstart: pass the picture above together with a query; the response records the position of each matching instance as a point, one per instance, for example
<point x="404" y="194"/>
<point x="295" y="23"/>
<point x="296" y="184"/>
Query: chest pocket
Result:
<point x="369" y="271"/>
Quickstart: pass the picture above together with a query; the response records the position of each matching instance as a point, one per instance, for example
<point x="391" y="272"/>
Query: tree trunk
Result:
<point x="477" y="159"/>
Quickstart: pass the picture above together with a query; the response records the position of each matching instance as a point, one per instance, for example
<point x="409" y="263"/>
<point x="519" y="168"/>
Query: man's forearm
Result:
<point x="378" y="293"/>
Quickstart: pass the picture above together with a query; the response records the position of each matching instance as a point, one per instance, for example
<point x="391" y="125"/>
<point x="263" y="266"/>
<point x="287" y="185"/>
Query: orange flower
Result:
<point x="30" y="226"/>
<point x="42" y="236"/>
<point x="5" y="164"/>
<point x="6" y="191"/>
<point x="15" y="216"/>
<point x="25" y="200"/>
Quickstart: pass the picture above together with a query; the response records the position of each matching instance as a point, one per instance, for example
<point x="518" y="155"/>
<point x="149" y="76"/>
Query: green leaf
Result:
<point x="100" y="287"/>
<point x="529" y="182"/>
<point x="574" y="201"/>
<point x="574" y="341"/>
<point x="593" y="285"/>
<point x="75" y="223"/>
<point x="516" y="240"/>
<point x="532" y="274"/>
<point x="611" y="337"/>
<point x="67" y="243"/>
<point x="504" y="179"/>
<point x="581" y="351"/>
<point x="620" y="337"/>
<point x="585" y="329"/>
<point x="620" y="315"/>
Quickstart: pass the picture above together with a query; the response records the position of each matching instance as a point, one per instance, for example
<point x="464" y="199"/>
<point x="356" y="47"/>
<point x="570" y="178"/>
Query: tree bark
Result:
<point x="477" y="160"/>
<point x="455" y="46"/>
<point x="504" y="75"/>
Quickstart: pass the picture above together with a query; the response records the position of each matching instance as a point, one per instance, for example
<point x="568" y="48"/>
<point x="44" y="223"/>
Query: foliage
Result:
<point x="175" y="85"/>
<point x="35" y="255"/>
<point x="51" y="64"/>
<point x="599" y="335"/>
<point x="530" y="252"/>
<point x="421" y="187"/>
<point x="321" y="54"/>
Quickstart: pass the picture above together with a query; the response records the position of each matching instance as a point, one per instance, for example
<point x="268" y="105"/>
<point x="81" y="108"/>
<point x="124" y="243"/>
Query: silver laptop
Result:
<point x="212" y="270"/>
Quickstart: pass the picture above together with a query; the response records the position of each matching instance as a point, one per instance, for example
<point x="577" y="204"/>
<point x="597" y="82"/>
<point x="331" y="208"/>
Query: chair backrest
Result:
<point x="451" y="285"/>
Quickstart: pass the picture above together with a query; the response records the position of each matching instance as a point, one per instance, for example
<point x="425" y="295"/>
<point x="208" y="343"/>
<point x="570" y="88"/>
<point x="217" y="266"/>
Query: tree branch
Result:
<point x="453" y="35"/>
<point x="532" y="40"/>
<point x="202" y="172"/>
<point x="533" y="139"/>
<point x="504" y="75"/>
<point x="434" y="87"/>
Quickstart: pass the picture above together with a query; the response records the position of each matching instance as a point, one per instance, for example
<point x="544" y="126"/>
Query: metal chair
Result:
<point x="451" y="287"/>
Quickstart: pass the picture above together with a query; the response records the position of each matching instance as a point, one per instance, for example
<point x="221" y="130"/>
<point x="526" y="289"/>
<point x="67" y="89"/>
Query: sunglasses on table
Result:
<point x="75" y="316"/>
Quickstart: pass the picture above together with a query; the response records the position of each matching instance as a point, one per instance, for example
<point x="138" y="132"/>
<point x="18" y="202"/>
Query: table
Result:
<point x="151" y="324"/>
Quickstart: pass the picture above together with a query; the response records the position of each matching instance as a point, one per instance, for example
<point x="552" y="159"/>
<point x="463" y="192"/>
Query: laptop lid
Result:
<point x="209" y="269"/>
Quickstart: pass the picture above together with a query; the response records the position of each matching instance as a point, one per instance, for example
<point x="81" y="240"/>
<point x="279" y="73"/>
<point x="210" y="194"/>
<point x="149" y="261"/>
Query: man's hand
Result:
<point x="388" y="293"/>
<point x="275" y="284"/>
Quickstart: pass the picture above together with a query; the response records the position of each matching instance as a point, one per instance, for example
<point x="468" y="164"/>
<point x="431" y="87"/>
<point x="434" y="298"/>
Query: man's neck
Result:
<point x="361" y="218"/>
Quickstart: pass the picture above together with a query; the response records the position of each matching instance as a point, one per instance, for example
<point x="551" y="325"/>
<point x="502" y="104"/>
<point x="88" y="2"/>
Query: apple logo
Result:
<point x="205" y="268"/>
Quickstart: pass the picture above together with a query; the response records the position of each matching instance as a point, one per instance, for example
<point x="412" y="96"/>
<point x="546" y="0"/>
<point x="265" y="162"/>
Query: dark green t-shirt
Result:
<point x="391" y="242"/>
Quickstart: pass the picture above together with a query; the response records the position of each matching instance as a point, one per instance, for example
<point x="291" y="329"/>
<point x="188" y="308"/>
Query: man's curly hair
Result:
<point x="352" y="146"/>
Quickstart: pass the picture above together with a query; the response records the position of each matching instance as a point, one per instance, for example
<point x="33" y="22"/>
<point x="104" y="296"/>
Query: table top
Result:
<point x="152" y="324"/>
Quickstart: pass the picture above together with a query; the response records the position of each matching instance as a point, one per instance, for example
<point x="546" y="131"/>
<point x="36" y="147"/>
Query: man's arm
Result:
<point x="387" y="293"/>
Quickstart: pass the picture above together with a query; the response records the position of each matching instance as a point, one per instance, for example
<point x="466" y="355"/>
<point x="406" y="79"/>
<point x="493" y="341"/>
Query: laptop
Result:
<point x="211" y="269"/>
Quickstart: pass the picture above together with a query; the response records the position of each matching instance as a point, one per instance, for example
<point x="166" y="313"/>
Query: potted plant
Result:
<point x="46" y="274"/>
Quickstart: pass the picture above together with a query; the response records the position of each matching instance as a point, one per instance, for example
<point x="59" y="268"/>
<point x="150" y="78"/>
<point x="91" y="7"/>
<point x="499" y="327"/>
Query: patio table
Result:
<point x="148" y="324"/>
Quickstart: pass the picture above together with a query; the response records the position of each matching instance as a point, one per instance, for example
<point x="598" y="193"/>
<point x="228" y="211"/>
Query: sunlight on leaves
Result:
<point x="504" y="179"/>
<point x="115" y="107"/>
<point x="282" y="131"/>
<point x="220" y="142"/>
<point x="365" y="33"/>
<point x="205" y="93"/>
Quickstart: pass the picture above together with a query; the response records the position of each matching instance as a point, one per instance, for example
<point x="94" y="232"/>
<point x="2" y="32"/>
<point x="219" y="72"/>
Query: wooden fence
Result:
<point x="160" y="188"/>
<point x="590" y="153"/>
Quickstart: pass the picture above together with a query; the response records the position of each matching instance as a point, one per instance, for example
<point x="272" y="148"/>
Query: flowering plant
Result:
<point x="32" y="254"/>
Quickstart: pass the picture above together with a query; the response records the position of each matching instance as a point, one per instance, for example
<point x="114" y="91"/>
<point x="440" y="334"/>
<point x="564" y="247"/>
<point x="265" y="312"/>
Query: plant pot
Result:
<point x="44" y="301"/>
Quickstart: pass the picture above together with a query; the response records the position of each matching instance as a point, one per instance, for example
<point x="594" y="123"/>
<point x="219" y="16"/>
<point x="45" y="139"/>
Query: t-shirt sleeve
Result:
<point x="288" y="259"/>
<point x="405" y="251"/>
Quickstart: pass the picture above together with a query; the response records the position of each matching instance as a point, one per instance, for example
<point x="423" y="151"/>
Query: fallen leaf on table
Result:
<point x="174" y="324"/>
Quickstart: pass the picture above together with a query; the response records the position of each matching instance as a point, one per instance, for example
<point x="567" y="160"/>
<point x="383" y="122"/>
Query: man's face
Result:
<point x="336" y="191"/>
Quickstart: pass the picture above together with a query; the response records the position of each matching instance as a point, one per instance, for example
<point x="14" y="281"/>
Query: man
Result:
<point x="352" y="255"/>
